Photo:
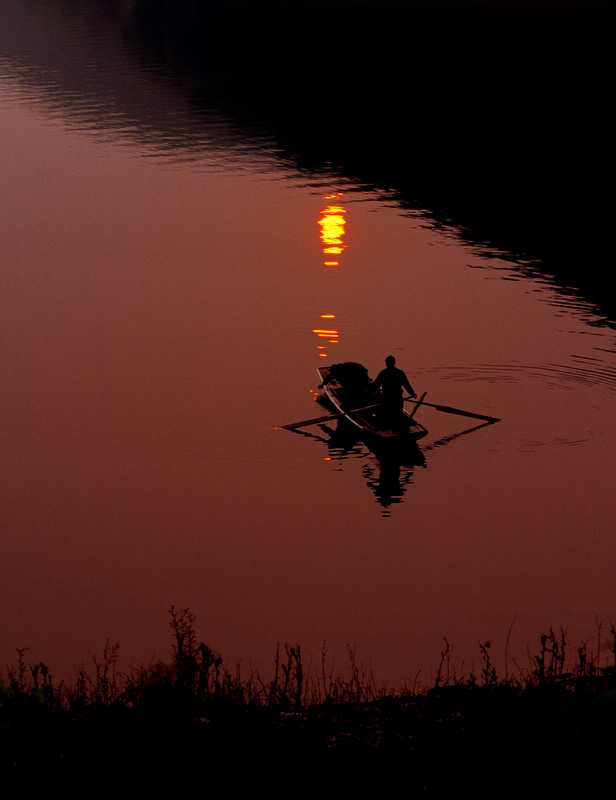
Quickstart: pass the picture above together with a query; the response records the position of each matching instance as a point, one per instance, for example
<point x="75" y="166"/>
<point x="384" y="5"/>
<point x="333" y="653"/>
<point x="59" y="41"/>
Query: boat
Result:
<point x="351" y="394"/>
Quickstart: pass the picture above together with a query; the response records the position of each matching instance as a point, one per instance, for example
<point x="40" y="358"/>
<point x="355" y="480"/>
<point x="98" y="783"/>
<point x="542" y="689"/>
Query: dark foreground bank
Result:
<point x="185" y="723"/>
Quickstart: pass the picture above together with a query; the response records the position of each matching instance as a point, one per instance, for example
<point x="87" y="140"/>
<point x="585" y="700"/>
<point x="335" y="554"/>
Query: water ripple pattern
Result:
<point x="590" y="372"/>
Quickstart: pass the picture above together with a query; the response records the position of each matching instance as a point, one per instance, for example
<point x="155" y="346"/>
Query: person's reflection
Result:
<point x="394" y="475"/>
<point x="389" y="480"/>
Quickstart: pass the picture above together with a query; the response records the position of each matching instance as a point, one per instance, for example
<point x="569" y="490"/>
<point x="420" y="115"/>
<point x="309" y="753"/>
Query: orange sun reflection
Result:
<point x="326" y="335"/>
<point x="332" y="231"/>
<point x="333" y="228"/>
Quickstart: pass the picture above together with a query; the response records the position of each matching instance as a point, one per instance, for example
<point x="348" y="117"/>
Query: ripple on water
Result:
<point x="591" y="372"/>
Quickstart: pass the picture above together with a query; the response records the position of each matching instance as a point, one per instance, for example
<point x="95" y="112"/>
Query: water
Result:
<point x="173" y="274"/>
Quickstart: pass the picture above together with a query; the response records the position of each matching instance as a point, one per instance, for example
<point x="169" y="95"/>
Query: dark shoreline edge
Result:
<point x="550" y="727"/>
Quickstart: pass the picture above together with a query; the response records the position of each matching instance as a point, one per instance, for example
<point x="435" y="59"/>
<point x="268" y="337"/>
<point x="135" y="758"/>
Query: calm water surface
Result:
<point x="169" y="286"/>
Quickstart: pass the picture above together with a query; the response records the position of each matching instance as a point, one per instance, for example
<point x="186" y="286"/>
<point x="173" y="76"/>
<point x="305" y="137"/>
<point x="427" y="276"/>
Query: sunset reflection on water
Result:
<point x="326" y="335"/>
<point x="333" y="229"/>
<point x="332" y="224"/>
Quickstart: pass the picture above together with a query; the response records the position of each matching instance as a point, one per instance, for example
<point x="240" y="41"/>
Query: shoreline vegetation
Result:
<point x="548" y="726"/>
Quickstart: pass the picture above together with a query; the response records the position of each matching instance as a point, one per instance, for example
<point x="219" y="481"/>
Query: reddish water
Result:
<point x="162" y="311"/>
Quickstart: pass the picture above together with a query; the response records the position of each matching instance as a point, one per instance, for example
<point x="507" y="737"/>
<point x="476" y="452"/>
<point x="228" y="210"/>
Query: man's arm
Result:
<point x="407" y="385"/>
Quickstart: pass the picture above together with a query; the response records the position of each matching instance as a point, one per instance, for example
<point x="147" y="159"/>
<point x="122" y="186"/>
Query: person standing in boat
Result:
<point x="391" y="381"/>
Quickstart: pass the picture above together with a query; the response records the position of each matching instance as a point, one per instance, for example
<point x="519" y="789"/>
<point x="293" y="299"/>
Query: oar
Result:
<point x="316" y="420"/>
<point x="447" y="439"/>
<point x="420" y="401"/>
<point x="461" y="412"/>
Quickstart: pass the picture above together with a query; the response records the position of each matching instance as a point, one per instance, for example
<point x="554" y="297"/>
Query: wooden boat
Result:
<point x="363" y="411"/>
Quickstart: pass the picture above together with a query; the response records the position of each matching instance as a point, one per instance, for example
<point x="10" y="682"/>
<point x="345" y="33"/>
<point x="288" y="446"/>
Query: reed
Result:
<point x="561" y="706"/>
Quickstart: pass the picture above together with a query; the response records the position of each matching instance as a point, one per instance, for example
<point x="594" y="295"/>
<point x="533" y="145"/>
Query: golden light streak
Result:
<point x="332" y="223"/>
<point x="332" y="231"/>
<point x="331" y="335"/>
<point x="332" y="226"/>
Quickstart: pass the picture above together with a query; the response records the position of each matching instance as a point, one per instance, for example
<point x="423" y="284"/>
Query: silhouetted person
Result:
<point x="391" y="381"/>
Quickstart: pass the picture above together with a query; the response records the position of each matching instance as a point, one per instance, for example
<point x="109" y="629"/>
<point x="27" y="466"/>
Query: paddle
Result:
<point x="445" y="409"/>
<point x="420" y="401"/>
<point x="316" y="420"/>
<point x="459" y="411"/>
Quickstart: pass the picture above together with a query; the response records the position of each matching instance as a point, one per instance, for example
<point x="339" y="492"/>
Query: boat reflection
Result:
<point x="388" y="471"/>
